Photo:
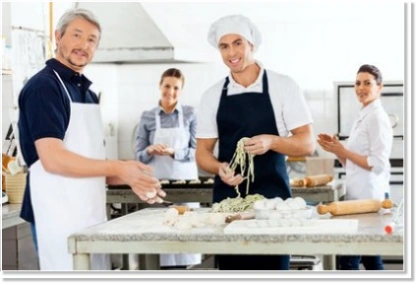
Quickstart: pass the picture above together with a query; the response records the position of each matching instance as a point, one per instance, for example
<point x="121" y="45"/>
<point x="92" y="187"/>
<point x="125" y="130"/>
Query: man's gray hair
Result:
<point x="74" y="14"/>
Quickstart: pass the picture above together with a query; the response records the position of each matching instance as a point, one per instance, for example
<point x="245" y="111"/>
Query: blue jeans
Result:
<point x="352" y="262"/>
<point x="35" y="240"/>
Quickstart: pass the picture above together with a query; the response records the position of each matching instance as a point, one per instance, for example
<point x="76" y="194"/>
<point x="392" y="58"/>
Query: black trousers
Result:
<point x="252" y="262"/>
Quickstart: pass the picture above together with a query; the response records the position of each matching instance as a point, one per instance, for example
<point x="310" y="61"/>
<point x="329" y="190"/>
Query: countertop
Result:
<point x="137" y="226"/>
<point x="133" y="234"/>
<point x="11" y="215"/>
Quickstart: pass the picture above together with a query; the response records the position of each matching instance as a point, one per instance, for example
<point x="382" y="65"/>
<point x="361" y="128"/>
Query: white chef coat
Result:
<point x="290" y="108"/>
<point x="372" y="136"/>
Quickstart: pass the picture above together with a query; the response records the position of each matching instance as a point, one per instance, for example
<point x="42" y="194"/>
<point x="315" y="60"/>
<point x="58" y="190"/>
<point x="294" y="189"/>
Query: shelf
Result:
<point x="6" y="71"/>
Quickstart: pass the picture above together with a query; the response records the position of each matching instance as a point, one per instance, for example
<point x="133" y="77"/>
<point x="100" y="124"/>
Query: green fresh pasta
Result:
<point x="238" y="204"/>
<point x="240" y="158"/>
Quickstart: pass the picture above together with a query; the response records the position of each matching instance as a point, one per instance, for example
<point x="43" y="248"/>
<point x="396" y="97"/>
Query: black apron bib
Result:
<point x="248" y="115"/>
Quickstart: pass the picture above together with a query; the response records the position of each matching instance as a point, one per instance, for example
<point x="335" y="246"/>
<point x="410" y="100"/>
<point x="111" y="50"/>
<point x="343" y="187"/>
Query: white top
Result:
<point x="372" y="136"/>
<point x="290" y="108"/>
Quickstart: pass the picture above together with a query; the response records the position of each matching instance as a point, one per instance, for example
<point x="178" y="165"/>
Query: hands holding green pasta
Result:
<point x="258" y="144"/>
<point x="227" y="175"/>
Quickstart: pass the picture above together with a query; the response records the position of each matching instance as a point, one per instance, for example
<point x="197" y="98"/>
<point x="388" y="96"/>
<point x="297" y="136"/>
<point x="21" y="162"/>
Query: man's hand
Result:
<point x="139" y="177"/>
<point x="228" y="177"/>
<point x="258" y="144"/>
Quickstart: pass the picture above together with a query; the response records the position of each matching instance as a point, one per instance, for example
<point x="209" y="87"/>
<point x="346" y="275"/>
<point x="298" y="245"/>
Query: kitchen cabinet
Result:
<point x="18" y="250"/>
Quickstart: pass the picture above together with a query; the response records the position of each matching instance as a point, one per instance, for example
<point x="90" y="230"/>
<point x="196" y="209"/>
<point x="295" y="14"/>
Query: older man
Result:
<point x="259" y="104"/>
<point x="61" y="137"/>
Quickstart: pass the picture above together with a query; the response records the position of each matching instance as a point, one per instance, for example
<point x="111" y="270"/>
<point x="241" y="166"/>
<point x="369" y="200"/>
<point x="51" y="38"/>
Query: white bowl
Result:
<point x="305" y="213"/>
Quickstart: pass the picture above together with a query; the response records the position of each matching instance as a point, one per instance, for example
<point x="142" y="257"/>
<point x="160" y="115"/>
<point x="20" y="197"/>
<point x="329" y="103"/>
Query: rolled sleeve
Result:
<point x="142" y="140"/>
<point x="381" y="138"/>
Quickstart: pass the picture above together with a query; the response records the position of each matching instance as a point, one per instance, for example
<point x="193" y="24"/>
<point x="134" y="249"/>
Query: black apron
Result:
<point x="248" y="115"/>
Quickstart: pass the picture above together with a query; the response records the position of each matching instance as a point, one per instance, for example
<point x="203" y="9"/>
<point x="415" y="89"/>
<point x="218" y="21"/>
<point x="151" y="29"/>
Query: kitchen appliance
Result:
<point x="392" y="99"/>
<point x="145" y="38"/>
<point x="349" y="107"/>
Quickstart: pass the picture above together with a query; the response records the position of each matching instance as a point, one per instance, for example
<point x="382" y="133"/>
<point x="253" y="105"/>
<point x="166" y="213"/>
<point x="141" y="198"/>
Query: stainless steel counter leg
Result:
<point x="81" y="261"/>
<point x="329" y="262"/>
<point x="149" y="262"/>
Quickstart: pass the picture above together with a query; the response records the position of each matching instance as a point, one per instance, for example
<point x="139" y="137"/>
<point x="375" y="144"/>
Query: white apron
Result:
<point x="64" y="205"/>
<point x="165" y="167"/>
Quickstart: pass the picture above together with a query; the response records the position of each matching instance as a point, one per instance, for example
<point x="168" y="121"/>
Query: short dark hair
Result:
<point x="373" y="70"/>
<point x="172" y="72"/>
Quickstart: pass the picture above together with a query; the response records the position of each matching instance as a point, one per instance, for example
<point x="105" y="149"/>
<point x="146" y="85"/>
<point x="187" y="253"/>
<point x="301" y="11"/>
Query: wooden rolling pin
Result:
<point x="317" y="180"/>
<point x="298" y="182"/>
<point x="311" y="181"/>
<point x="242" y="216"/>
<point x="354" y="207"/>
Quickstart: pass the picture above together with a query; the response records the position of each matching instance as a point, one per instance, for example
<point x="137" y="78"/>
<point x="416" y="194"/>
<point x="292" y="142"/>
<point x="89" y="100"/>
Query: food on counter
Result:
<point x="191" y="219"/>
<point x="179" y="182"/>
<point x="238" y="204"/>
<point x="240" y="158"/>
<point x="164" y="182"/>
<point x="209" y="181"/>
<point x="278" y="204"/>
<point x="181" y="209"/>
<point x="276" y="208"/>
<point x="197" y="181"/>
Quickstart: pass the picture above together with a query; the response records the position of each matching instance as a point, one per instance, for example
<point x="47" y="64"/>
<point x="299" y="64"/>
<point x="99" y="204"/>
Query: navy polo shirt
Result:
<point x="44" y="112"/>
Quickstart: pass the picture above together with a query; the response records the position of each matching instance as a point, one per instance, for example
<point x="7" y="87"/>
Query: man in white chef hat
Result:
<point x="269" y="109"/>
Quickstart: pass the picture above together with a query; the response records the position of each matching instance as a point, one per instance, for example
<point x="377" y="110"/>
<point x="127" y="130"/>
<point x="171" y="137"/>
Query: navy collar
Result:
<point x="67" y="73"/>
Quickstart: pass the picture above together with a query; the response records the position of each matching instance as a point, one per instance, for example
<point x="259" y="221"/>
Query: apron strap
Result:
<point x="63" y="85"/>
<point x="180" y="116"/>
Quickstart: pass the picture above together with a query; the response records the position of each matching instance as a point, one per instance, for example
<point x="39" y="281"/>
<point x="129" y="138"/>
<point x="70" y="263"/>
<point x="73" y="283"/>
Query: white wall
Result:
<point x="317" y="43"/>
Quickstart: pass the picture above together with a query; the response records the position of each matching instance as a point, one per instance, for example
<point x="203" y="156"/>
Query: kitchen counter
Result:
<point x="11" y="215"/>
<point x="133" y="234"/>
<point x="325" y="194"/>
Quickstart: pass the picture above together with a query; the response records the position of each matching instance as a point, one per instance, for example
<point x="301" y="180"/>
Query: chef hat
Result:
<point x="234" y="24"/>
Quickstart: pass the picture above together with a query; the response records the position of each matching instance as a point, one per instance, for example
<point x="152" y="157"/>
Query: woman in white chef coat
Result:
<point x="366" y="156"/>
<point x="166" y="140"/>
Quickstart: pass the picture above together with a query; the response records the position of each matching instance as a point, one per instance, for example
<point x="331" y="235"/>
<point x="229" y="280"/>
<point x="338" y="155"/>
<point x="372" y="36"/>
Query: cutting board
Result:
<point x="312" y="227"/>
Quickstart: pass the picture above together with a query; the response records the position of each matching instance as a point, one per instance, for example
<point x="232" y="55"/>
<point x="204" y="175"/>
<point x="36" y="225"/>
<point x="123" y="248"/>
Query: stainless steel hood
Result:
<point x="131" y="35"/>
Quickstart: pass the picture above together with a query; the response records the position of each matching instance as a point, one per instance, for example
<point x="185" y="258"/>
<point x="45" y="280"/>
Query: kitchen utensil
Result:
<point x="353" y="207"/>
<point x="167" y="203"/>
<point x="241" y="216"/>
<point x="312" y="181"/>
<point x="317" y="180"/>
